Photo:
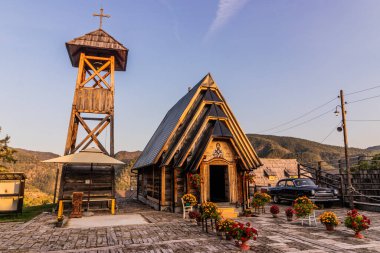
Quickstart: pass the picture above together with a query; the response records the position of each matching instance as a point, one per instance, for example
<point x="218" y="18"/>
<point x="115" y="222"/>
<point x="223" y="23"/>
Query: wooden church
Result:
<point x="199" y="135"/>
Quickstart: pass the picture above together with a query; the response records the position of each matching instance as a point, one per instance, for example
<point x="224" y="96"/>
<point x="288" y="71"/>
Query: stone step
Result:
<point x="228" y="212"/>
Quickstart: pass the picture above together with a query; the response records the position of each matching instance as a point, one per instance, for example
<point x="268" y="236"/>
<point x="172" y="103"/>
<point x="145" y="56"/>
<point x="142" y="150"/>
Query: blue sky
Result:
<point x="273" y="61"/>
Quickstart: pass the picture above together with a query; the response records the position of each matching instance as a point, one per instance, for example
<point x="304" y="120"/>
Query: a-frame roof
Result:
<point x="183" y="135"/>
<point x="97" y="43"/>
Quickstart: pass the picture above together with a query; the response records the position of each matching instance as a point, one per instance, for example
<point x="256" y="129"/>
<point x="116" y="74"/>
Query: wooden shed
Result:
<point x="12" y="187"/>
<point x="198" y="136"/>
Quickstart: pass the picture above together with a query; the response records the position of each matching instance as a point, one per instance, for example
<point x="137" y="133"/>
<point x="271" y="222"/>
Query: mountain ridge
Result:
<point x="41" y="176"/>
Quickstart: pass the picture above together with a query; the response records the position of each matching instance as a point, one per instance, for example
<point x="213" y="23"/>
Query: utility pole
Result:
<point x="348" y="172"/>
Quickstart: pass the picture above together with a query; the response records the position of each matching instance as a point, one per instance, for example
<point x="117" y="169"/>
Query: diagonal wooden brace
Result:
<point x="91" y="133"/>
<point x="96" y="73"/>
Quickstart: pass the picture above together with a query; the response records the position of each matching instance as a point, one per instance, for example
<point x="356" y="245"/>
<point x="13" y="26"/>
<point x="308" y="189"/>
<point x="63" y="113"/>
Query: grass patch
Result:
<point x="28" y="213"/>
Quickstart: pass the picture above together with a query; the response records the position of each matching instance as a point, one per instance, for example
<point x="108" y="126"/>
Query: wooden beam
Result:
<point x="96" y="73"/>
<point x="85" y="126"/>
<point x="96" y="134"/>
<point x="97" y="58"/>
<point x="92" y="132"/>
<point x="163" y="185"/>
<point x="99" y="81"/>
<point x="112" y="145"/>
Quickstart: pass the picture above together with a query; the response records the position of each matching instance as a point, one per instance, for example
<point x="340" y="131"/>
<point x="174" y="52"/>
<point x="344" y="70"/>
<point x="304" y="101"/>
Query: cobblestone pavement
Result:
<point x="167" y="232"/>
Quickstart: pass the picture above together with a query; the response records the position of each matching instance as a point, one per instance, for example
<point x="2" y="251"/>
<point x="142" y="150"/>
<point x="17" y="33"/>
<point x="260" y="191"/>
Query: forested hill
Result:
<point x="41" y="176"/>
<point x="270" y="146"/>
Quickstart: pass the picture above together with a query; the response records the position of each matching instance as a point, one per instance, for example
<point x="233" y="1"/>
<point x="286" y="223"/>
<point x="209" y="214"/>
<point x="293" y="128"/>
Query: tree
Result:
<point x="6" y="153"/>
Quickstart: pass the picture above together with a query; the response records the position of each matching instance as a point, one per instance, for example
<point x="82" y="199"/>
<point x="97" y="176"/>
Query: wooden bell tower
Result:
<point x="97" y="55"/>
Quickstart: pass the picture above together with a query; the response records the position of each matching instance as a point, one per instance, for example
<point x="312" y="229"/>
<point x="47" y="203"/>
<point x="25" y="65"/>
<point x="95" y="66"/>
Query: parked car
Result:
<point x="291" y="188"/>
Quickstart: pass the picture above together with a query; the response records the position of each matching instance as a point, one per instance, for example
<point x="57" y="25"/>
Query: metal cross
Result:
<point x="101" y="16"/>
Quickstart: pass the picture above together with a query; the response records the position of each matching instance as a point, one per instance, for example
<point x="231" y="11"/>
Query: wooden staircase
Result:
<point x="227" y="211"/>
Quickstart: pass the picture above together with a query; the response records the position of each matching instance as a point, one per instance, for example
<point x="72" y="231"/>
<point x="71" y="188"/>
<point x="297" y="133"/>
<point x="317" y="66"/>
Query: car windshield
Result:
<point x="304" y="182"/>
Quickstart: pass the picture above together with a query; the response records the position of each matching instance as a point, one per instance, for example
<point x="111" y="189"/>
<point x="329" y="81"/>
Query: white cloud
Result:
<point x="226" y="10"/>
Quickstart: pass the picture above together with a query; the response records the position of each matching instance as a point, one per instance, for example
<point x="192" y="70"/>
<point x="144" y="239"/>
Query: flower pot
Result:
<point x="358" y="235"/>
<point x="289" y="218"/>
<point x="187" y="204"/>
<point x="275" y="215"/>
<point x="244" y="246"/>
<point x="329" y="227"/>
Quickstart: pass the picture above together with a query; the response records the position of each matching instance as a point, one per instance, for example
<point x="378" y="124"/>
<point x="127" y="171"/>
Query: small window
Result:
<point x="281" y="184"/>
<point x="289" y="183"/>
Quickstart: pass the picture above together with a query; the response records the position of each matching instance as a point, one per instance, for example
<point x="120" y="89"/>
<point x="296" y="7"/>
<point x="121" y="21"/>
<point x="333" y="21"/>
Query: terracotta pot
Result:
<point x="329" y="227"/>
<point x="275" y="215"/>
<point x="358" y="235"/>
<point x="244" y="246"/>
<point x="289" y="218"/>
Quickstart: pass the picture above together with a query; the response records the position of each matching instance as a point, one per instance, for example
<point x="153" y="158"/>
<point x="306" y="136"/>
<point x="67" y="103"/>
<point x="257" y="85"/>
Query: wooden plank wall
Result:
<point x="94" y="100"/>
<point x="75" y="176"/>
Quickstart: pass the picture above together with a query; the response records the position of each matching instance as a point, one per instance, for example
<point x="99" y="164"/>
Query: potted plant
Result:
<point x="289" y="212"/>
<point x="329" y="219"/>
<point x="189" y="199"/>
<point x="303" y="207"/>
<point x="225" y="226"/>
<point x="357" y="222"/>
<point x="209" y="210"/>
<point x="196" y="216"/>
<point x="242" y="233"/>
<point x="260" y="199"/>
<point x="274" y="210"/>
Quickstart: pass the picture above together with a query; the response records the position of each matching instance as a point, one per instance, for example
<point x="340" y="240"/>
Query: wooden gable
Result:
<point x="200" y="117"/>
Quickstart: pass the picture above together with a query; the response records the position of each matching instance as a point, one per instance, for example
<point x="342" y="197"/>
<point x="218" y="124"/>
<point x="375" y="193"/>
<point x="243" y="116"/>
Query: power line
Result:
<point x="359" y="91"/>
<point x="304" y="122"/>
<point x="363" y="99"/>
<point x="299" y="117"/>
<point x="363" y="120"/>
<point x="333" y="130"/>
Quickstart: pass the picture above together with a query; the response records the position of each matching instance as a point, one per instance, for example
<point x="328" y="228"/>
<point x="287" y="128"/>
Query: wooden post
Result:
<point x="318" y="173"/>
<point x="56" y="184"/>
<point x="342" y="185"/>
<point x="299" y="170"/>
<point x="242" y="189"/>
<point x="60" y="210"/>
<point x="163" y="185"/>
<point x="138" y="185"/>
<point x="113" y="206"/>
<point x="348" y="172"/>
<point x="173" y="189"/>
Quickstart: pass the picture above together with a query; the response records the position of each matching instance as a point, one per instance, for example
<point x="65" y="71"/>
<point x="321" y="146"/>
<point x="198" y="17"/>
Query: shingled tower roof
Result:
<point x="98" y="43"/>
<point x="189" y="126"/>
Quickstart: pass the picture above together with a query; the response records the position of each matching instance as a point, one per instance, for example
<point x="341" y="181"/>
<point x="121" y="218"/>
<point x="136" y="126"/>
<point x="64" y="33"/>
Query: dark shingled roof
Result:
<point x="164" y="130"/>
<point x="98" y="43"/>
<point x="184" y="134"/>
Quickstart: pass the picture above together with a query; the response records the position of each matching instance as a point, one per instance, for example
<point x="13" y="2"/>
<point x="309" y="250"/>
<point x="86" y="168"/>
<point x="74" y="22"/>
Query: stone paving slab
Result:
<point x="167" y="232"/>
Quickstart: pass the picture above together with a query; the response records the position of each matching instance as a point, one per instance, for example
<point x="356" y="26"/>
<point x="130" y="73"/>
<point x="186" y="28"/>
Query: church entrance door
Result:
<point x="218" y="183"/>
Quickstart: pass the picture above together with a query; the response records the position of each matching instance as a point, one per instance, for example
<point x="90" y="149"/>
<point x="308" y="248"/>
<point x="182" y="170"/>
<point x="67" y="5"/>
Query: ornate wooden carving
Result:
<point x="77" y="205"/>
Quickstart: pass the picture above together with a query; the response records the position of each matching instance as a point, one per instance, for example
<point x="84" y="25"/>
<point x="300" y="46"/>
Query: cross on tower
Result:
<point x="101" y="16"/>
